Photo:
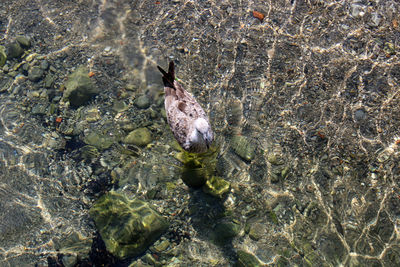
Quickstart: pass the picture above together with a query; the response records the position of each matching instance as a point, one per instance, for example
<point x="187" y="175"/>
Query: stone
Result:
<point x="35" y="74"/>
<point x="79" y="87"/>
<point x="142" y="102"/>
<point x="139" y="137"/>
<point x="256" y="231"/>
<point x="44" y="65"/>
<point x="225" y="231"/>
<point x="216" y="186"/>
<point x="14" y="50"/>
<point x="3" y="56"/>
<point x="23" y="41"/>
<point x="119" y="106"/>
<point x="246" y="259"/>
<point x="48" y="81"/>
<point x="98" y="140"/>
<point x="243" y="147"/>
<point x="127" y="226"/>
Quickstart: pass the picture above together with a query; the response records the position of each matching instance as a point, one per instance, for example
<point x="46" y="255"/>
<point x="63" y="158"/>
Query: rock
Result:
<point x="79" y="87"/>
<point x="98" y="140"/>
<point x="44" y="65"/>
<point x="14" y="50"/>
<point x="39" y="109"/>
<point x="360" y="114"/>
<point x="243" y="147"/>
<point x="225" y="231"/>
<point x="139" y="137"/>
<point x="216" y="186"/>
<point x="3" y="56"/>
<point x="256" y="231"/>
<point x="73" y="246"/>
<point x="246" y="259"/>
<point x="142" y="102"/>
<point x="89" y="152"/>
<point x="119" y="106"/>
<point x="35" y="74"/>
<point x="69" y="260"/>
<point x="161" y="246"/>
<point x="127" y="226"/>
<point x="23" y="41"/>
<point x="48" y="81"/>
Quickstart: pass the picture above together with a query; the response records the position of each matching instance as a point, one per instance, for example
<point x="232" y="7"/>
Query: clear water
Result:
<point x="313" y="88"/>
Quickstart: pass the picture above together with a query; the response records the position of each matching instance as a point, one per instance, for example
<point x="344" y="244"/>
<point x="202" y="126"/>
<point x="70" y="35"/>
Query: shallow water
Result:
<point x="312" y="89"/>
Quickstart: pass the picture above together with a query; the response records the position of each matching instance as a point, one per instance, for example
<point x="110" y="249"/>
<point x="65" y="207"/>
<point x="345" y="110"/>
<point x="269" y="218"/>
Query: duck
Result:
<point x="187" y="119"/>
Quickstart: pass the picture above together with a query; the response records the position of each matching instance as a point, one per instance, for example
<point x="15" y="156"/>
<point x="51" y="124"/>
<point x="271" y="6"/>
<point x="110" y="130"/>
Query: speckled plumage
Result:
<point x="187" y="119"/>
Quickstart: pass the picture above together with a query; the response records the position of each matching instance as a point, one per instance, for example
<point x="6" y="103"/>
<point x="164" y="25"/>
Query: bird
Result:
<point x="187" y="119"/>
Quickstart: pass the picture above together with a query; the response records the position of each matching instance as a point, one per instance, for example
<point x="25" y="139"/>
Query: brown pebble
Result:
<point x="258" y="15"/>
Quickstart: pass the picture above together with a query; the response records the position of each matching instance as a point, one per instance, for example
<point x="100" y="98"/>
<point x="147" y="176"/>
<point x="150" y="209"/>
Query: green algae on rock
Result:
<point x="197" y="168"/>
<point x="14" y="50"/>
<point x="225" y="231"/>
<point x="246" y="259"/>
<point x="127" y="226"/>
<point x="243" y="147"/>
<point x="3" y="56"/>
<point x="216" y="186"/>
<point x="79" y="87"/>
<point x="138" y="137"/>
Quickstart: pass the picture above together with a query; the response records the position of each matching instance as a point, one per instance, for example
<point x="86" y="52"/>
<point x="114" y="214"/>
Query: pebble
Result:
<point x="35" y="74"/>
<point x="142" y="102"/>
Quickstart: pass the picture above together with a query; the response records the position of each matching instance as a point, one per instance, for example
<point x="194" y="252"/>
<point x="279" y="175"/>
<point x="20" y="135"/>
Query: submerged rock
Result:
<point x="23" y="41"/>
<point x="246" y="259"/>
<point x="3" y="56"/>
<point x="139" y="137"/>
<point x="142" y="102"/>
<point x="79" y="87"/>
<point x="216" y="186"/>
<point x="35" y="74"/>
<point x="14" y="50"/>
<point x="225" y="231"/>
<point x="243" y="147"/>
<point x="126" y="226"/>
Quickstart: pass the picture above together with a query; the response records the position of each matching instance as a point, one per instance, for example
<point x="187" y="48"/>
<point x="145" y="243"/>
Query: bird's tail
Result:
<point x="168" y="78"/>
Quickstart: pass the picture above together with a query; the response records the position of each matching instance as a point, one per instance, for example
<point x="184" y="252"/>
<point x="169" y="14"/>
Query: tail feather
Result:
<point x="168" y="78"/>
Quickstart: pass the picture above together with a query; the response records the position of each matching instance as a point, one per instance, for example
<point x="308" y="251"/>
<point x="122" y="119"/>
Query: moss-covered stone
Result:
<point x="35" y="74"/>
<point x="142" y="102"/>
<point x="127" y="226"/>
<point x="216" y="186"/>
<point x="14" y="50"/>
<point x="3" y="56"/>
<point x="79" y="87"/>
<point x="139" y="137"/>
<point x="98" y="140"/>
<point x="243" y="147"/>
<point x="23" y="41"/>
<point x="246" y="259"/>
<point x="197" y="168"/>
<point x="225" y="231"/>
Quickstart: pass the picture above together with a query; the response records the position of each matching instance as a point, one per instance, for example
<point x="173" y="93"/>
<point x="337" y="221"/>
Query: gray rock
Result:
<point x="139" y="137"/>
<point x="142" y="102"/>
<point x="359" y="115"/>
<point x="35" y="74"/>
<point x="79" y="87"/>
<point x="48" y="81"/>
<point x="14" y="50"/>
<point x="44" y="65"/>
<point x="23" y="41"/>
